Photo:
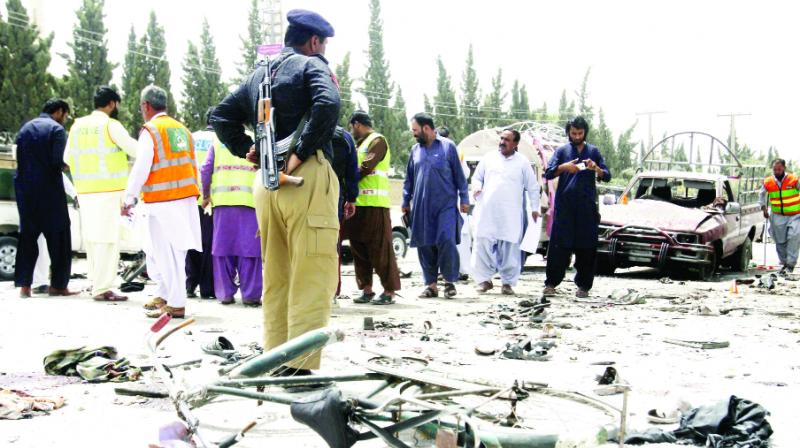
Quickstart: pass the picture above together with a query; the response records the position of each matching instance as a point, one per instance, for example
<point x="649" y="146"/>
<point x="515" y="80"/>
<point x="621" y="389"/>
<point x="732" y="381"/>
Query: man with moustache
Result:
<point x="97" y="154"/>
<point x="500" y="181"/>
<point x="433" y="186"/>
<point x="578" y="166"/>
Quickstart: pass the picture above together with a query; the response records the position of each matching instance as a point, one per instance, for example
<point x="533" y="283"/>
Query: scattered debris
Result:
<point x="705" y="345"/>
<point x="369" y="324"/>
<point x="94" y="365"/>
<point x="735" y="422"/>
<point x="16" y="404"/>
<point x="527" y="350"/>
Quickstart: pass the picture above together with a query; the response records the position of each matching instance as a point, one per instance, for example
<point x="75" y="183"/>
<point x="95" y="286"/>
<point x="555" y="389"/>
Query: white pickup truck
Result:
<point x="9" y="220"/>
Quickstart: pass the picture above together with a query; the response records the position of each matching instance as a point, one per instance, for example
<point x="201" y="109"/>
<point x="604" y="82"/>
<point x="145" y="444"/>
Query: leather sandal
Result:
<point x="429" y="293"/>
<point x="364" y="298"/>
<point x="110" y="296"/>
<point x="449" y="290"/>
<point x="177" y="313"/>
<point x="155" y="304"/>
<point x="383" y="299"/>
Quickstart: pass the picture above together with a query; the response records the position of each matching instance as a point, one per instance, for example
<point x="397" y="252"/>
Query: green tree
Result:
<point x="400" y="134"/>
<point x="444" y="102"/>
<point x="132" y="83"/>
<point x="493" y="103"/>
<point x="156" y="62"/>
<point x="255" y="33"/>
<point x="378" y="85"/>
<point x="772" y="154"/>
<point x="471" y="120"/>
<point x="88" y="66"/>
<point x="524" y="109"/>
<point x="626" y="149"/>
<point x="563" y="109"/>
<point x="426" y="104"/>
<point x="604" y="140"/>
<point x="26" y="85"/>
<point x="202" y="84"/>
<point x="514" y="109"/>
<point x="584" y="108"/>
<point x="5" y="55"/>
<point x="346" y="90"/>
<point x="541" y="113"/>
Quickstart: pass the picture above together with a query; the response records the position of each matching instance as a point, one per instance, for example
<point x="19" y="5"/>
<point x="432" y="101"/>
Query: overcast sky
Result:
<point x="692" y="59"/>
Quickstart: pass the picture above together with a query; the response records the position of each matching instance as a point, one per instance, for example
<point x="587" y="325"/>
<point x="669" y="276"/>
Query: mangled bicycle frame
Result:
<point x="334" y="416"/>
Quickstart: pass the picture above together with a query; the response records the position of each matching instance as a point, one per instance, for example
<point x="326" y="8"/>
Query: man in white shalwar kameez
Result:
<point x="97" y="153"/>
<point x="165" y="172"/>
<point x="499" y="182"/>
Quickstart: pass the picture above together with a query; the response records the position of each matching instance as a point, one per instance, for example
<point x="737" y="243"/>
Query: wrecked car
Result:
<point x="683" y="221"/>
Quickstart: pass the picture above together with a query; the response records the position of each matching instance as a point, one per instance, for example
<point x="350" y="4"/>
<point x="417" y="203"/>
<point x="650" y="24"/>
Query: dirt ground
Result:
<point x="761" y="363"/>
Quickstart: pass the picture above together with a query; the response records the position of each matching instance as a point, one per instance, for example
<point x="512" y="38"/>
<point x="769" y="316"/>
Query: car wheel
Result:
<point x="741" y="259"/>
<point x="8" y="257"/>
<point x="399" y="244"/>
<point x="705" y="272"/>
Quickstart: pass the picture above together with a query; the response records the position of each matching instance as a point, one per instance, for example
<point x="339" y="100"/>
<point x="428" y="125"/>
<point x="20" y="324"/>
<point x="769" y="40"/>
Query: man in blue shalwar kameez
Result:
<point x="578" y="166"/>
<point x="433" y="186"/>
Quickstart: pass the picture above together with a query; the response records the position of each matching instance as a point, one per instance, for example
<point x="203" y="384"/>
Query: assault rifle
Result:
<point x="273" y="155"/>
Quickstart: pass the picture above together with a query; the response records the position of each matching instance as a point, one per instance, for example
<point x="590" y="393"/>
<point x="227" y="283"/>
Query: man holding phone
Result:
<point x="578" y="166"/>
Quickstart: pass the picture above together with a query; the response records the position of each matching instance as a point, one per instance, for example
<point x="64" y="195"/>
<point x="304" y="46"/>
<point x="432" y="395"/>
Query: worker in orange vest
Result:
<point x="781" y="196"/>
<point x="165" y="174"/>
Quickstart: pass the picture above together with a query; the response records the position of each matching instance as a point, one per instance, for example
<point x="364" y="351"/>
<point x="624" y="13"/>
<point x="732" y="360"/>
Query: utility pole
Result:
<point x="732" y="135"/>
<point x="650" y="126"/>
<point x="272" y="18"/>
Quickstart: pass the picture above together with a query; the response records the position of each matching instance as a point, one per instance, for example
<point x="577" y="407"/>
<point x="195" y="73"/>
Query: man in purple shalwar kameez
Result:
<point x="228" y="186"/>
<point x="431" y="191"/>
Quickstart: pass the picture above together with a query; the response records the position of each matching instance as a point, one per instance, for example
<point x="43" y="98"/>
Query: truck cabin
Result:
<point x="689" y="193"/>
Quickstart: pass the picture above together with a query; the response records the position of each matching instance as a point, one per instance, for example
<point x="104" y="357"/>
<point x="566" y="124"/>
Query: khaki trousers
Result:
<point x="299" y="229"/>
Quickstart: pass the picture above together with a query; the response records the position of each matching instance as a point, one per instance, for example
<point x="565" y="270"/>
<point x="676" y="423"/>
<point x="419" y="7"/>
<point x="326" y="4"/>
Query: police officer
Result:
<point x="298" y="225"/>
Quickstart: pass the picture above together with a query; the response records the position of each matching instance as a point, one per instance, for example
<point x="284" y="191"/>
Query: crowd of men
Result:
<point x="212" y="224"/>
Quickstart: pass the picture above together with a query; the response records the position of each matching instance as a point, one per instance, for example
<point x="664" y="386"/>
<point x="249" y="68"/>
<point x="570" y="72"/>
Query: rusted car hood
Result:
<point x="664" y="216"/>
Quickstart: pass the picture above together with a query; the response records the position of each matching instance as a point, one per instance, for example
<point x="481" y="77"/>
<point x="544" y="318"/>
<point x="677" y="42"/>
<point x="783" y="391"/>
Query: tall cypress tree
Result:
<point x="444" y="102"/>
<point x="253" y="38"/>
<point x="202" y="85"/>
<point x="26" y="85"/>
<point x="604" y="140"/>
<point x="377" y="80"/>
<point x="426" y="103"/>
<point x="132" y="83"/>
<point x="524" y="107"/>
<point x="158" y="71"/>
<point x="88" y="66"/>
<point x="345" y="90"/>
<point x="493" y="104"/>
<point x="584" y="108"/>
<point x="401" y="137"/>
<point x="626" y="150"/>
<point x="470" y="97"/>
<point x="563" y="109"/>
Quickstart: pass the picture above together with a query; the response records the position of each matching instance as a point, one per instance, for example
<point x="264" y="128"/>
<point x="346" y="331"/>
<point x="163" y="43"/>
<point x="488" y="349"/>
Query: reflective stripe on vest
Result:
<point x="374" y="188"/>
<point x="784" y="198"/>
<point x="203" y="140"/>
<point x="231" y="184"/>
<point x="96" y="163"/>
<point x="173" y="174"/>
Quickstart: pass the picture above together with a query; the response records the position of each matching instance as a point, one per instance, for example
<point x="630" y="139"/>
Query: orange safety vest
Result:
<point x="784" y="198"/>
<point x="173" y="174"/>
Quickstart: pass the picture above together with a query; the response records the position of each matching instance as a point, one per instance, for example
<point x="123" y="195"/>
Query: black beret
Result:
<point x="311" y="21"/>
